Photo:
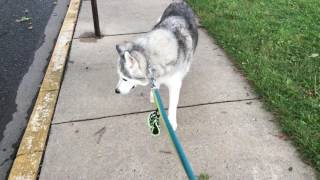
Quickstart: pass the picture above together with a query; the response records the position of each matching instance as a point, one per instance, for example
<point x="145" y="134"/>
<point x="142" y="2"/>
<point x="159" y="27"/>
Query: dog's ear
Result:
<point x="121" y="49"/>
<point x="130" y="60"/>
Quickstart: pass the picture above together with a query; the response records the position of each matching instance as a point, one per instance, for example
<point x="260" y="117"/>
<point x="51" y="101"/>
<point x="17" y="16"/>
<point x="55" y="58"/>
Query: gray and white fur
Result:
<point x="168" y="49"/>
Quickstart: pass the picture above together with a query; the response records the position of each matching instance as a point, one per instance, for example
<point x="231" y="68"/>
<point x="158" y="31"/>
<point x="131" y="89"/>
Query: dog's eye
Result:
<point x="124" y="79"/>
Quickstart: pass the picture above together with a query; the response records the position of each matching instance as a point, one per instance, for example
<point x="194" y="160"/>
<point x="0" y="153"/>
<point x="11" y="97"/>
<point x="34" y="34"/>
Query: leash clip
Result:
<point x="152" y="77"/>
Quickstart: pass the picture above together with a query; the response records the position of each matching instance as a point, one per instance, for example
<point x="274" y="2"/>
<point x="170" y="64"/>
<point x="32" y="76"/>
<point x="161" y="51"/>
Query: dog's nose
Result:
<point x="117" y="91"/>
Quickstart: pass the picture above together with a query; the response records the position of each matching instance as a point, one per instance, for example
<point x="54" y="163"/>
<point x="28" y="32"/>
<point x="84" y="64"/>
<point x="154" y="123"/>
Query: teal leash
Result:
<point x="182" y="156"/>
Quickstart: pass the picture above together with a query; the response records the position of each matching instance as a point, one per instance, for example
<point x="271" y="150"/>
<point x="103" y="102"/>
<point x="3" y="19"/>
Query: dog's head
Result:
<point x="132" y="68"/>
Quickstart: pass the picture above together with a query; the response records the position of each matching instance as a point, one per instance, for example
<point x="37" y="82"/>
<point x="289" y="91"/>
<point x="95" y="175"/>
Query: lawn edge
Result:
<point x="267" y="105"/>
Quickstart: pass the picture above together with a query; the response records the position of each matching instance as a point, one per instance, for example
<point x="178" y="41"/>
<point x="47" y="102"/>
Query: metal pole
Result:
<point x="95" y="18"/>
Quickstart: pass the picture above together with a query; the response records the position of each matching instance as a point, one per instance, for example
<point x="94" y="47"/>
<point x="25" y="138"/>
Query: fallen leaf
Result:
<point x="23" y="19"/>
<point x="282" y="136"/>
<point x="314" y="55"/>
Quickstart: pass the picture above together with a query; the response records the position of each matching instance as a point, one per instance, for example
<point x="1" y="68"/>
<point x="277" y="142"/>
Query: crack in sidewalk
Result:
<point x="28" y="153"/>
<point x="146" y="111"/>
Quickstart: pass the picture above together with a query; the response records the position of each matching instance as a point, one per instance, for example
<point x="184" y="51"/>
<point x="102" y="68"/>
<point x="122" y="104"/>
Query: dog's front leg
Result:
<point x="151" y="97"/>
<point x="174" y="92"/>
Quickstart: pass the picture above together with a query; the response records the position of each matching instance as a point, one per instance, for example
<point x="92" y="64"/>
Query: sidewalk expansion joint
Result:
<point x="146" y="111"/>
<point x="111" y="35"/>
<point x="120" y="34"/>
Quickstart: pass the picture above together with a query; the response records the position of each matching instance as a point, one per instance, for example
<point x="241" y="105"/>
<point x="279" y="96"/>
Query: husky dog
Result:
<point x="165" y="54"/>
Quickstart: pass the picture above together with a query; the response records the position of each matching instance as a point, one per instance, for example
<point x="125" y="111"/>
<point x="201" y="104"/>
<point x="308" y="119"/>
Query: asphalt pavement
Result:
<point x="28" y="30"/>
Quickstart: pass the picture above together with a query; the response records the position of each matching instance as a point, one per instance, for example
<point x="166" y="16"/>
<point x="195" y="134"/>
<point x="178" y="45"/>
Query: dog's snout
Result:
<point x="117" y="91"/>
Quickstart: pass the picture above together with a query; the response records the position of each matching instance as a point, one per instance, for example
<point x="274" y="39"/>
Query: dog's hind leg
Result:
<point x="174" y="92"/>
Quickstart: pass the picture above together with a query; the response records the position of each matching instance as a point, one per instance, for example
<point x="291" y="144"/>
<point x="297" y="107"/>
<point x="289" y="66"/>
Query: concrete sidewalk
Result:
<point x="97" y="134"/>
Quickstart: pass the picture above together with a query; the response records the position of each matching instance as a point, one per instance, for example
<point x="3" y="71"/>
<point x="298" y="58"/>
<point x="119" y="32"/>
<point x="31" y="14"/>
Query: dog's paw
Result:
<point x="174" y="126"/>
<point x="173" y="123"/>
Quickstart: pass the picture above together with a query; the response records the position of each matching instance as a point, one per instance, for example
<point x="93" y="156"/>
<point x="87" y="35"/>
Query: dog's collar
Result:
<point x="151" y="74"/>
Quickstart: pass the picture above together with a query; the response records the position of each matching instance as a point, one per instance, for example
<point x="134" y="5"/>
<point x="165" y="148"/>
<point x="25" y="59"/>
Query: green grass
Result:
<point x="276" y="43"/>
<point x="203" y="176"/>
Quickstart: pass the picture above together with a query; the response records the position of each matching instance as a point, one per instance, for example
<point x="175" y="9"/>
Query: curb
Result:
<point x="28" y="158"/>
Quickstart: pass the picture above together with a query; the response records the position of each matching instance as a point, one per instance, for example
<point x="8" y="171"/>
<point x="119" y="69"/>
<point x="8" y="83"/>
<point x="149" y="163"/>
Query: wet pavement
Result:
<point x="28" y="30"/>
